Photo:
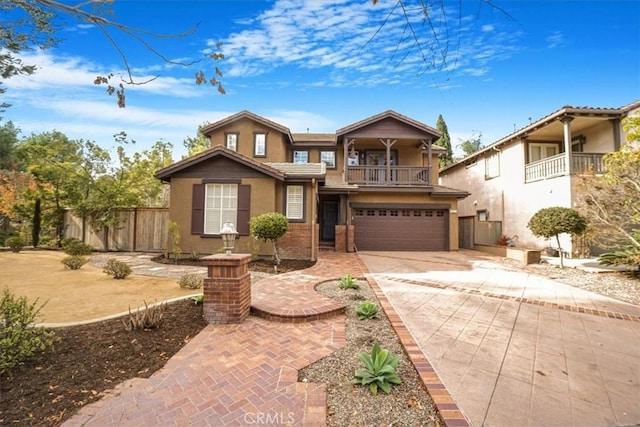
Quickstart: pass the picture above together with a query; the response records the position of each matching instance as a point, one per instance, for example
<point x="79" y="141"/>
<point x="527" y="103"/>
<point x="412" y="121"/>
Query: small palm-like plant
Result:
<point x="348" y="282"/>
<point x="367" y="310"/>
<point x="379" y="370"/>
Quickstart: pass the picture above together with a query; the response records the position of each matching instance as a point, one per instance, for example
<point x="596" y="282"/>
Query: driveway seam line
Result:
<point x="564" y="307"/>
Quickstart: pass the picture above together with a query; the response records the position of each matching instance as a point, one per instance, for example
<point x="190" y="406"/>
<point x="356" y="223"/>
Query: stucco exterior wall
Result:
<point x="262" y="201"/>
<point x="599" y="138"/>
<point x="246" y="128"/>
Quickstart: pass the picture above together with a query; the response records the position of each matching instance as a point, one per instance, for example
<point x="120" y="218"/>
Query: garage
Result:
<point x="401" y="229"/>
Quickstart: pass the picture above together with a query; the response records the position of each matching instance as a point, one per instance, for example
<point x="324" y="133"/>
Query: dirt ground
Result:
<point x="79" y="295"/>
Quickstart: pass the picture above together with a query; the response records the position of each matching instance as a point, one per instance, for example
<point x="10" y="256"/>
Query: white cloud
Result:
<point x="345" y="38"/>
<point x="555" y="39"/>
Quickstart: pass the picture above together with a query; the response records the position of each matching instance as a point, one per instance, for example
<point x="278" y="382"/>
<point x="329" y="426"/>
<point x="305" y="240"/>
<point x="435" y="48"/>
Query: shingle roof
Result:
<point x="300" y="170"/>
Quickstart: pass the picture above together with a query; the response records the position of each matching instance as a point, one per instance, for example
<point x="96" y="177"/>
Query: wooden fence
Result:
<point x="138" y="229"/>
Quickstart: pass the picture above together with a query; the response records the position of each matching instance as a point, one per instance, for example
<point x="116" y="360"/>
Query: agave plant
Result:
<point x="348" y="282"/>
<point x="379" y="370"/>
<point x="367" y="310"/>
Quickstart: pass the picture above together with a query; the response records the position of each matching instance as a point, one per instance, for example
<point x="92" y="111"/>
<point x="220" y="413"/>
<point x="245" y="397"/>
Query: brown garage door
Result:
<point x="378" y="229"/>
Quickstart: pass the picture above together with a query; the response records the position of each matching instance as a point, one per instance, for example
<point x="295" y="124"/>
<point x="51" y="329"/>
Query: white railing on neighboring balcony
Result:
<point x="557" y="166"/>
<point x="545" y="168"/>
<point x="396" y="175"/>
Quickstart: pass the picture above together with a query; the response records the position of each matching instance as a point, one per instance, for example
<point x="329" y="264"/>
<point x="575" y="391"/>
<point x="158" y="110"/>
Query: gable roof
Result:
<point x="385" y="115"/>
<point x="565" y="111"/>
<point x="245" y="114"/>
<point x="165" y="173"/>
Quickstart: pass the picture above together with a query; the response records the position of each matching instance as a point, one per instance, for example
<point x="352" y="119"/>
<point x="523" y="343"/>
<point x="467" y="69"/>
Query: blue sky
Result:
<point x="324" y="64"/>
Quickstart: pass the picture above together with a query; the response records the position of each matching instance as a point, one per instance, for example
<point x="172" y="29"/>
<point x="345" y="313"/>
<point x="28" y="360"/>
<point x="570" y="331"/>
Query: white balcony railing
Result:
<point x="380" y="176"/>
<point x="557" y="166"/>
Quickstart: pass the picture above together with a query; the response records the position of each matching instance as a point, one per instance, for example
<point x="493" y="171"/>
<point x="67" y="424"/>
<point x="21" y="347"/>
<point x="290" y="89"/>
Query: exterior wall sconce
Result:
<point x="228" y="233"/>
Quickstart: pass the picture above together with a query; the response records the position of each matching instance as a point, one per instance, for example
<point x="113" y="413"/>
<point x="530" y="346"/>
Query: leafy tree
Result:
<point x="551" y="222"/>
<point x="8" y="143"/>
<point x="269" y="226"/>
<point x="444" y="141"/>
<point x="52" y="159"/>
<point x="198" y="144"/>
<point x="611" y="201"/>
<point x="471" y="145"/>
<point x="34" y="24"/>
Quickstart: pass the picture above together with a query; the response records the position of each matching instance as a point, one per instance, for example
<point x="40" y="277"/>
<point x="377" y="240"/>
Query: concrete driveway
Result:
<point x="513" y="348"/>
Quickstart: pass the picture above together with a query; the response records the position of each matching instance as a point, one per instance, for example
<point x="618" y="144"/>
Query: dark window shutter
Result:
<point x="197" y="209"/>
<point x="244" y="202"/>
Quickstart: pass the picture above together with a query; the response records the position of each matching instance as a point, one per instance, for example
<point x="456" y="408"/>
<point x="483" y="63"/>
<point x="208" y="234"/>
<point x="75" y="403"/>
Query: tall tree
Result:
<point x="444" y="141"/>
<point x="8" y="144"/>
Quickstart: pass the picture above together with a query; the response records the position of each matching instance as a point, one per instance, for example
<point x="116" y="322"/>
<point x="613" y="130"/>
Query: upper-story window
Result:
<point x="539" y="151"/>
<point x="232" y="141"/>
<point x="260" y="145"/>
<point x="300" y="157"/>
<point x="492" y="166"/>
<point x="328" y="158"/>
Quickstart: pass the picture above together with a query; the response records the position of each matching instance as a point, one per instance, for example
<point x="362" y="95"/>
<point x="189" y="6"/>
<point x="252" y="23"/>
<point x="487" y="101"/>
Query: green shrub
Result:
<point x="75" y="247"/>
<point x="198" y="299"/>
<point x="149" y="318"/>
<point x="191" y="281"/>
<point x="367" y="310"/>
<point x="19" y="340"/>
<point x="117" y="269"/>
<point x="15" y="243"/>
<point x="269" y="226"/>
<point x="74" y="262"/>
<point x="627" y="257"/>
<point x="348" y="282"/>
<point x="379" y="370"/>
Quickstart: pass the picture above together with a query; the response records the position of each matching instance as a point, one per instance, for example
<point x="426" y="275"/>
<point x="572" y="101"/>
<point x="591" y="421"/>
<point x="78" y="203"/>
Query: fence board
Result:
<point x="139" y="229"/>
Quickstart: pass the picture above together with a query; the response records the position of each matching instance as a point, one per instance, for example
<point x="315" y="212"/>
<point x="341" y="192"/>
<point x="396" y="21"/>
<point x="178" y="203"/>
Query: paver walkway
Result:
<point x="237" y="375"/>
<point x="516" y="349"/>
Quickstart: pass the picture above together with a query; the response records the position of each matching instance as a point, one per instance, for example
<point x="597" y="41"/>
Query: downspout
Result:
<point x="313" y="218"/>
<point x="348" y="222"/>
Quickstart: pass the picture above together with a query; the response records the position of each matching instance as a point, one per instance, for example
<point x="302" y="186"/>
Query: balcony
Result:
<point x="553" y="166"/>
<point x="395" y="176"/>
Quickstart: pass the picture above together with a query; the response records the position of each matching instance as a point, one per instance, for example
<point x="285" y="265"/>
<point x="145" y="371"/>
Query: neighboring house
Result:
<point x="535" y="167"/>
<point x="376" y="178"/>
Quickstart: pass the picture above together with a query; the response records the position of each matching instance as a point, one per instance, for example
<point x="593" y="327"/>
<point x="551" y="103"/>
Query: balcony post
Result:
<point x="566" y="123"/>
<point x="616" y="133"/>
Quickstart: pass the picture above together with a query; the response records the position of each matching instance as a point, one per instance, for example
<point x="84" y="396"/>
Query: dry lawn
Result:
<point x="79" y="295"/>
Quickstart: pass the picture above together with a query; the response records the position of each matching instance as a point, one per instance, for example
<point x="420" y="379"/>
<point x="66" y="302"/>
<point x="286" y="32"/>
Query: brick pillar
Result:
<point x="227" y="289"/>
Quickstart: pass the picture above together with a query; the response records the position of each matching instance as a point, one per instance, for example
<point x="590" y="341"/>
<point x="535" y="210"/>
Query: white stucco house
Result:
<point x="535" y="167"/>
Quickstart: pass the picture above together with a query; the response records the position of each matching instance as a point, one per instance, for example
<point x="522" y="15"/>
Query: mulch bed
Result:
<point x="89" y="359"/>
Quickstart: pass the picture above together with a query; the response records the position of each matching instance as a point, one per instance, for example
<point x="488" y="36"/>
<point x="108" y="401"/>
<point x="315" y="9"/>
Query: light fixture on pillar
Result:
<point x="228" y="233"/>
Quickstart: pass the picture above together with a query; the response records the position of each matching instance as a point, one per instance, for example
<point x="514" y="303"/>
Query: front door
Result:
<point x="329" y="220"/>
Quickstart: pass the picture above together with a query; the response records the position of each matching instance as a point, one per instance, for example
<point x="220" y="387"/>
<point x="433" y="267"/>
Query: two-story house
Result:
<point x="535" y="167"/>
<point x="372" y="185"/>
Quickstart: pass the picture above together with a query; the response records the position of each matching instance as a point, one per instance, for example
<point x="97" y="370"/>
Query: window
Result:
<point x="538" y="151"/>
<point x="328" y="158"/>
<point x="483" y="215"/>
<point x="300" y="157"/>
<point x="295" y="202"/>
<point x="232" y="141"/>
<point x="492" y="166"/>
<point x="221" y="205"/>
<point x="260" y="145"/>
